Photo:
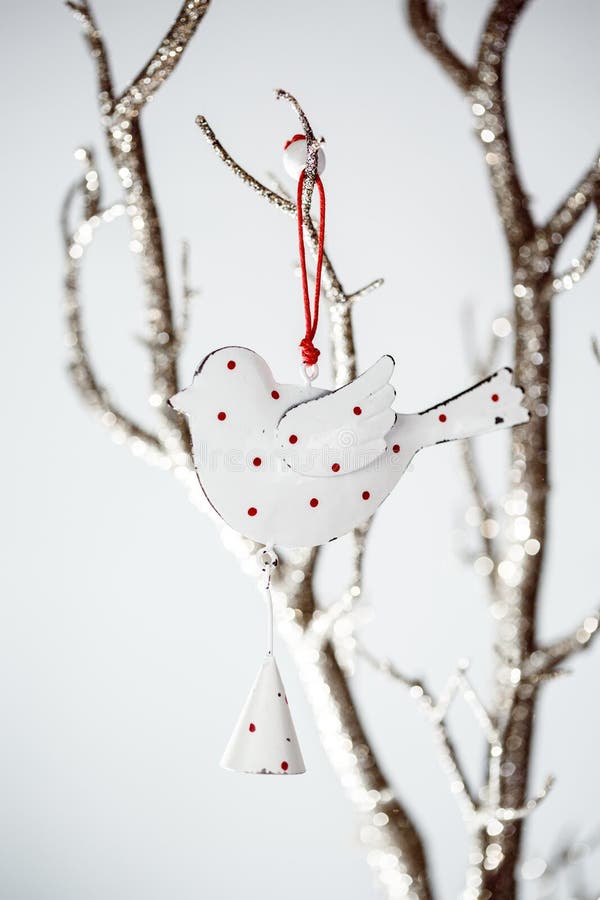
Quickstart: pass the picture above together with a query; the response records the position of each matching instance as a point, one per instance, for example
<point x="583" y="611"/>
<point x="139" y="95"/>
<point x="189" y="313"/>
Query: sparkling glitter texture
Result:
<point x="511" y="557"/>
<point x="324" y="642"/>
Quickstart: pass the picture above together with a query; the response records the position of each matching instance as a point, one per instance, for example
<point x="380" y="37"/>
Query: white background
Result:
<point x="128" y="635"/>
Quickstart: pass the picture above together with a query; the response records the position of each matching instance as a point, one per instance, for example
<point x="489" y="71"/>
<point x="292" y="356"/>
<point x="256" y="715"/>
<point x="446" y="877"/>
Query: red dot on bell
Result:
<point x="314" y="502"/>
<point x="396" y="448"/>
<point x="357" y="410"/>
<point x="275" y="395"/>
<point x="252" y="511"/>
<point x="335" y="467"/>
<point x="442" y="417"/>
<point x="231" y="364"/>
<point x="284" y="766"/>
<point x="495" y="398"/>
<point x="293" y="438"/>
<point x="257" y="461"/>
<point x="365" y="495"/>
<point x="221" y="416"/>
<point x="251" y="727"/>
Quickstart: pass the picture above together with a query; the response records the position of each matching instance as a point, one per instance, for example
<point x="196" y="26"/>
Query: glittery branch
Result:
<point x="485" y="84"/>
<point x="165" y="59"/>
<point x="436" y="711"/>
<point x="512" y="815"/>
<point x="121" y="119"/>
<point x="596" y="349"/>
<point x="545" y="659"/>
<point x="312" y="153"/>
<point x="579" y="267"/>
<point x="368" y="289"/>
<point x="490" y="110"/>
<point x="333" y="287"/>
<point x="517" y="571"/>
<point x="85" y="380"/>
<point x="477" y="814"/>
<point x="423" y="18"/>
<point x="85" y="16"/>
<point x="571" y="209"/>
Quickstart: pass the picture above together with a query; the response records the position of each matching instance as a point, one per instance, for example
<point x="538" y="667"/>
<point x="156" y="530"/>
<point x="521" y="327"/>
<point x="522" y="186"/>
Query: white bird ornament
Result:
<point x="295" y="466"/>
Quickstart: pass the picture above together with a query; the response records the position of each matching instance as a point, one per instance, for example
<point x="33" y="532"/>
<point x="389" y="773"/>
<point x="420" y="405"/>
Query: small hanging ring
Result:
<point x="309" y="373"/>
<point x="267" y="558"/>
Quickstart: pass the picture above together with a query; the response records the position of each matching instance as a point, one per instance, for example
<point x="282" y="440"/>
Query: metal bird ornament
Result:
<point x="292" y="465"/>
<point x="295" y="466"/>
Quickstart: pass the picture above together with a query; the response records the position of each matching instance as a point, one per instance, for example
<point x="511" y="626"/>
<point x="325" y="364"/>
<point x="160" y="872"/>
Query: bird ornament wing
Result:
<point x="342" y="431"/>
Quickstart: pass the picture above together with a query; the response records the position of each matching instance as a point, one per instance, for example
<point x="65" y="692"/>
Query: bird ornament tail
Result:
<point x="493" y="403"/>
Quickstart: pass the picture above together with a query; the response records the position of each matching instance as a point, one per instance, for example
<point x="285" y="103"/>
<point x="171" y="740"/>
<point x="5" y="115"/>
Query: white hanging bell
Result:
<point x="264" y="739"/>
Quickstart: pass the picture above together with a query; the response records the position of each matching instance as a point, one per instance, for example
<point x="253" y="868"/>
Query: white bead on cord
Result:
<point x="294" y="158"/>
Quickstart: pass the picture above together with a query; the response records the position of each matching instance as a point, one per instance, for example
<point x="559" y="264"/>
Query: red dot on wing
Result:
<point x="442" y="417"/>
<point x="257" y="461"/>
<point x="314" y="502"/>
<point x="284" y="766"/>
<point x="396" y="448"/>
<point x="365" y="495"/>
<point x="335" y="467"/>
<point x="275" y="395"/>
<point x="251" y="727"/>
<point x="221" y="416"/>
<point x="357" y="410"/>
<point x="293" y="438"/>
<point x="231" y="364"/>
<point x="252" y="511"/>
<point x="495" y="398"/>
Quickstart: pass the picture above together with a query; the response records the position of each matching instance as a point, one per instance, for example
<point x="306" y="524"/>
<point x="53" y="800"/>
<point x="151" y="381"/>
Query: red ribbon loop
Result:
<point x="310" y="353"/>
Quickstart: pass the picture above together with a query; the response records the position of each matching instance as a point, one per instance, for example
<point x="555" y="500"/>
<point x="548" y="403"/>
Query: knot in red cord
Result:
<point x="310" y="353"/>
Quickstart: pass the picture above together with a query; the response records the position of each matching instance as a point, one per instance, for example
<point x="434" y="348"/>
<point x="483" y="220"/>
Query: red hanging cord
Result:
<point x="310" y="354"/>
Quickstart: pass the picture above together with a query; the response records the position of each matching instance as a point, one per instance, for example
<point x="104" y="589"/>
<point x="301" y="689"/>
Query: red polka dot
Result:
<point x="252" y="511"/>
<point x="252" y="727"/>
<point x="335" y="467"/>
<point x="257" y="461"/>
<point x="365" y="495"/>
<point x="284" y="766"/>
<point x="314" y="502"/>
<point x="275" y="395"/>
<point x="495" y="398"/>
<point x="231" y="364"/>
<point x="293" y="438"/>
<point x="396" y="448"/>
<point x="442" y="417"/>
<point x="357" y="410"/>
<point x="221" y="416"/>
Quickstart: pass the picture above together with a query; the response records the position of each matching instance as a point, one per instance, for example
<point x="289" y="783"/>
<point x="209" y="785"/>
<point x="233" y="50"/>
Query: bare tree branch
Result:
<point x="579" y="267"/>
<point x="368" y="289"/>
<point x="423" y="18"/>
<point x="545" y="659"/>
<point x="489" y="107"/>
<point x="164" y="60"/>
<point x="573" y="206"/>
<point x="123" y="428"/>
<point x="83" y="13"/>
<point x="333" y="288"/>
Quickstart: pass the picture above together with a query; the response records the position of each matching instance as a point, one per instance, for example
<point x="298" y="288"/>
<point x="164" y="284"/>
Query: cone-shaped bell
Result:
<point x="264" y="740"/>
